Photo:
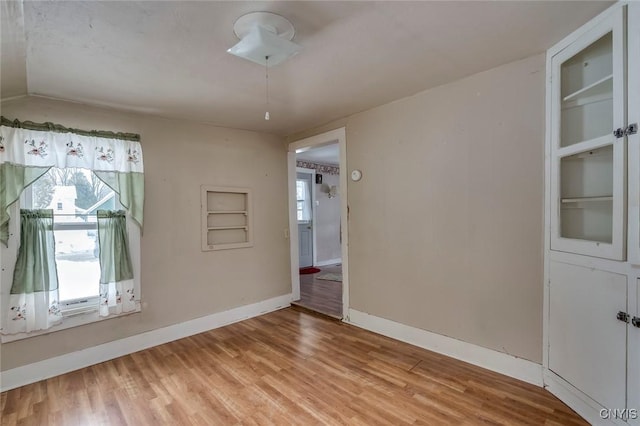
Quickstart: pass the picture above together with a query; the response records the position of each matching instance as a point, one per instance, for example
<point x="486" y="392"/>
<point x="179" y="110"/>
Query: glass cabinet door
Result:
<point x="588" y="168"/>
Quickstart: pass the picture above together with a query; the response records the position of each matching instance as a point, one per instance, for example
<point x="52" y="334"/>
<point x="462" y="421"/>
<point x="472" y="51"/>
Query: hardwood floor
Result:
<point x="322" y="296"/>
<point x="286" y="367"/>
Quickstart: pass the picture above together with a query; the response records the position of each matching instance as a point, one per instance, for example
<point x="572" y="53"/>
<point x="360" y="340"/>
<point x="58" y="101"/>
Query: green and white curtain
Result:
<point x="33" y="300"/>
<point x="27" y="151"/>
<point x="26" y="154"/>
<point x="116" y="274"/>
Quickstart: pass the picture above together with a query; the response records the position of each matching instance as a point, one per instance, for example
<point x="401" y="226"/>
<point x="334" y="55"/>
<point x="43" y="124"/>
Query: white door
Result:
<point x="305" y="222"/>
<point x="587" y="342"/>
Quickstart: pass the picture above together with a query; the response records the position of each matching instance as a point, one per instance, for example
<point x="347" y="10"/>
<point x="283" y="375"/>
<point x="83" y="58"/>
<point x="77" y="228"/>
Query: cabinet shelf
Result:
<point x="244" y="212"/>
<point x="585" y="199"/>
<point x="587" y="100"/>
<point x="600" y="87"/>
<point x="219" y="228"/>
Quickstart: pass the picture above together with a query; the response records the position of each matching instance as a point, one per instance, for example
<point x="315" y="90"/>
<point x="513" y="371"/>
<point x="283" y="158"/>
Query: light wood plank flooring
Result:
<point x="322" y="296"/>
<point x="286" y="367"/>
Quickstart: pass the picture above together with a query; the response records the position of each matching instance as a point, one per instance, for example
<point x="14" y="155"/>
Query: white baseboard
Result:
<point x="328" y="262"/>
<point x="586" y="407"/>
<point x="490" y="359"/>
<point x="51" y="367"/>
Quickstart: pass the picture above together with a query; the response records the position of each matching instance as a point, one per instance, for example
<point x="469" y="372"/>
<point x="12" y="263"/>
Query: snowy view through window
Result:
<point x="74" y="195"/>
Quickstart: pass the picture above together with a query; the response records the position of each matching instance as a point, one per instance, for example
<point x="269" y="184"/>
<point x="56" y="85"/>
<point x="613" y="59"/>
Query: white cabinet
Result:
<point x="584" y="331"/>
<point x="633" y="113"/>
<point x="633" y="140"/>
<point x="592" y="249"/>
<point x="587" y="158"/>
<point x="634" y="354"/>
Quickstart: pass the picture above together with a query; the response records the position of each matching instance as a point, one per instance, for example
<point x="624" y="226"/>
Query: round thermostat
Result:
<point x="356" y="175"/>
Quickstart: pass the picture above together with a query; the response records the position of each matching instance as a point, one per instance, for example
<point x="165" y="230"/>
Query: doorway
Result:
<point x="318" y="223"/>
<point x="305" y="179"/>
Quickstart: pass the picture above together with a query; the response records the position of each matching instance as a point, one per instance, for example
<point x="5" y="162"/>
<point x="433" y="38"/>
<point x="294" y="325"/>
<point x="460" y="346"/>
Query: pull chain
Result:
<point x="266" y="74"/>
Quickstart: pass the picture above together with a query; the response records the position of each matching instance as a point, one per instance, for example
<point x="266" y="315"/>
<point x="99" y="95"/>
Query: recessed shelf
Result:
<point x="226" y="218"/>
<point x="244" y="212"/>
<point x="604" y="85"/>
<point x="214" y="228"/>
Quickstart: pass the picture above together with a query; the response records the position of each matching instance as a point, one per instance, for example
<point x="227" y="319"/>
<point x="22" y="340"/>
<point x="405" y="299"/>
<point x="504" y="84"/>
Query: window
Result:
<point x="303" y="201"/>
<point x="74" y="227"/>
<point x="76" y="237"/>
<point x="77" y="194"/>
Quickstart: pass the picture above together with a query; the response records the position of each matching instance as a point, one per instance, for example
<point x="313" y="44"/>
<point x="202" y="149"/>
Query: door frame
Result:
<point x="327" y="138"/>
<point x="314" y="246"/>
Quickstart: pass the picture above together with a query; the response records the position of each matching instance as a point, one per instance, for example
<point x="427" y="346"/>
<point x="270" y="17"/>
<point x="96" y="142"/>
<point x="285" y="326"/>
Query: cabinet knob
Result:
<point x="619" y="132"/>
<point x="636" y="322"/>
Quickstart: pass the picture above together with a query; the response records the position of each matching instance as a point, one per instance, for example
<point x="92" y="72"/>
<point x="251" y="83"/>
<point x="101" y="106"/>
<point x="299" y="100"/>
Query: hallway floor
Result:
<point x="322" y="295"/>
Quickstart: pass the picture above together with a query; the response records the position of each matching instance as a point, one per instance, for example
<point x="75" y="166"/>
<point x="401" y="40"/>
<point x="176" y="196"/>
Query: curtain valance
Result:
<point x="52" y="127"/>
<point x="52" y="149"/>
<point x="26" y="154"/>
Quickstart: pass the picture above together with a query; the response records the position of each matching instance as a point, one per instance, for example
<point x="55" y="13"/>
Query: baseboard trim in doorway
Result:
<point x="299" y="305"/>
<point x="62" y="364"/>
<point x="328" y="262"/>
<point x="500" y="362"/>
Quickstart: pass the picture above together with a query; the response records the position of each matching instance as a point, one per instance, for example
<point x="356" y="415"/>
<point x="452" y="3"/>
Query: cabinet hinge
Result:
<point x="636" y="322"/>
<point x="631" y="129"/>
<point x="623" y="316"/>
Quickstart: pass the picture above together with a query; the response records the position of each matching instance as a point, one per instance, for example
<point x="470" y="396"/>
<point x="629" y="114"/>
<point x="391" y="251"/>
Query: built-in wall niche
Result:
<point x="226" y="218"/>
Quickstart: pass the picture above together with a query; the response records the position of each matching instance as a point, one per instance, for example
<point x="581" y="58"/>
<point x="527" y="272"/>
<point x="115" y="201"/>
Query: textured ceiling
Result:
<point x="328" y="154"/>
<point x="169" y="58"/>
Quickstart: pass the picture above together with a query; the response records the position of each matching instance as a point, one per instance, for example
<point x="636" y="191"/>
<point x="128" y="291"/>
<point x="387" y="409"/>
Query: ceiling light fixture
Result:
<point x="264" y="35"/>
<point x="265" y="38"/>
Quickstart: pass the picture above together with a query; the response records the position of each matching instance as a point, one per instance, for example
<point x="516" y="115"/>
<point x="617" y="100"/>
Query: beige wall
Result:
<point x="180" y="282"/>
<point x="446" y="225"/>
<point x="445" y="230"/>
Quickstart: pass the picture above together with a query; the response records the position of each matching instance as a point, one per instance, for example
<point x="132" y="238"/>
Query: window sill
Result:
<point x="72" y="318"/>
